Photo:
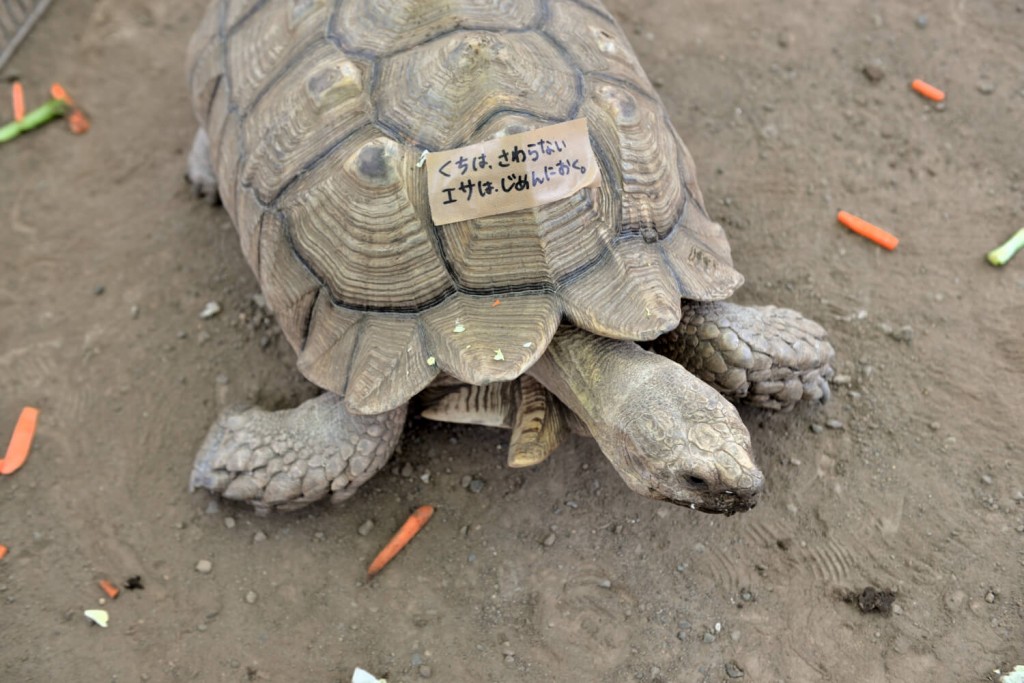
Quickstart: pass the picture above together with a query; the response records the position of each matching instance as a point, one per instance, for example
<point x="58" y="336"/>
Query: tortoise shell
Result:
<point x="318" y="112"/>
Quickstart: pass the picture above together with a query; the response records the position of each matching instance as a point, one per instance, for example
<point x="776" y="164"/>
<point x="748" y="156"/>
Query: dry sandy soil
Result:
<point x="106" y="261"/>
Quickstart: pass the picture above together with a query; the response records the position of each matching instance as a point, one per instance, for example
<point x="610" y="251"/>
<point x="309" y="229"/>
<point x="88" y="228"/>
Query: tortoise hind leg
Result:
<point x="762" y="355"/>
<point x="200" y="173"/>
<point x="287" y="459"/>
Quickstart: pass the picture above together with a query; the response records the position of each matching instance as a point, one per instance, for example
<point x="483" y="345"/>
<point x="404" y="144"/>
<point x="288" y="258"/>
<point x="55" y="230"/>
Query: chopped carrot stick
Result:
<point x="497" y="302"/>
<point x="3" y="551"/>
<point x="18" y="100"/>
<point x="110" y="589"/>
<point x="417" y="520"/>
<point x="21" y="441"/>
<point x="927" y="90"/>
<point x="77" y="121"/>
<point x="865" y="229"/>
<point x="58" y="92"/>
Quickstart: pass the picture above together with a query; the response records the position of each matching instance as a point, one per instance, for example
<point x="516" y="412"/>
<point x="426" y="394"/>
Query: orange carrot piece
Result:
<point x="927" y="90"/>
<point x="18" y="100"/>
<point x="21" y="441"/>
<point x="58" y="92"/>
<point x="865" y="229"/>
<point x="3" y="551"/>
<point x="497" y="302"/>
<point x="110" y="589"/>
<point x="417" y="520"/>
<point x="77" y="121"/>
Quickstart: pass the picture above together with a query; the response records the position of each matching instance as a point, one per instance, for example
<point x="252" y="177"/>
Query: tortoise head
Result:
<point x="676" y="439"/>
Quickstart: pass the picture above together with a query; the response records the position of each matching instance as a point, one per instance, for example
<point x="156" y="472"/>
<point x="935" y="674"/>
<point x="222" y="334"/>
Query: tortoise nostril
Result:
<point x="696" y="482"/>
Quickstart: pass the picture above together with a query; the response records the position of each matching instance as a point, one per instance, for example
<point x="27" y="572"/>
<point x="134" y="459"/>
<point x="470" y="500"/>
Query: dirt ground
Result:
<point x="556" y="573"/>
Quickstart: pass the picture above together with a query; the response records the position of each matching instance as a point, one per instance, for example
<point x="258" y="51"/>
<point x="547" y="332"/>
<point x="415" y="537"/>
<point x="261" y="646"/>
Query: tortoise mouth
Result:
<point x="727" y="504"/>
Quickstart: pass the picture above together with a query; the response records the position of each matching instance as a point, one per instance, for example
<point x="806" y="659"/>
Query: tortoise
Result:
<point x="314" y="116"/>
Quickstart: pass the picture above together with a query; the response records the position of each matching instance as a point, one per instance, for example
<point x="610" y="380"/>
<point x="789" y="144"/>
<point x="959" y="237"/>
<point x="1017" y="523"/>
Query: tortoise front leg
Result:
<point x="200" y="173"/>
<point x="287" y="459"/>
<point x="762" y="355"/>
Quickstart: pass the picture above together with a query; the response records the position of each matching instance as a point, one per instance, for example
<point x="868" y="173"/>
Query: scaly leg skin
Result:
<point x="287" y="459"/>
<point x="762" y="355"/>
<point x="200" y="169"/>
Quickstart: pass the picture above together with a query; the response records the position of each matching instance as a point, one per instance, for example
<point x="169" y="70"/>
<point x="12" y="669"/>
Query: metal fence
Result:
<point x="16" y="19"/>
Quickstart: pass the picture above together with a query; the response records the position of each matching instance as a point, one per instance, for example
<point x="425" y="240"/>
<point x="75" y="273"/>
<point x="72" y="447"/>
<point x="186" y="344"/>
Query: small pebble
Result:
<point x="407" y="470"/>
<point x="211" y="309"/>
<point x="202" y="337"/>
<point x="229" y="522"/>
<point x="259" y="301"/>
<point x="98" y="290"/>
<point x="834" y="424"/>
<point x="986" y="87"/>
<point x="709" y="637"/>
<point x="251" y="597"/>
<point x="681" y="635"/>
<point x="204" y="566"/>
<point x="934" y="426"/>
<point x="259" y="537"/>
<point x="817" y="429"/>
<point x="476" y="486"/>
<point x="366" y="527"/>
<point x="990" y="597"/>
<point x="604" y="583"/>
<point x="842" y="380"/>
<point x="921" y="21"/>
<point x="134" y="311"/>
<point x="746" y="596"/>
<point x="986" y="479"/>
<point x="550" y="540"/>
<point x="182" y="334"/>
<point x="873" y="73"/>
<point x="733" y="670"/>
<point x="425" y="671"/>
<point x="466" y="481"/>
<point x="905" y="334"/>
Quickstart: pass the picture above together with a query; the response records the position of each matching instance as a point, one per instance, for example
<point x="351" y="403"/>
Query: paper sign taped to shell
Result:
<point x="511" y="173"/>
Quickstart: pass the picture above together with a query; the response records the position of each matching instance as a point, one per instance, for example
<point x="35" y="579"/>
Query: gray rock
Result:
<point x="733" y="670"/>
<point x="365" y="528"/>
<point x="204" y="566"/>
<point x="873" y="72"/>
<point x="921" y="21"/>
<point x="251" y="597"/>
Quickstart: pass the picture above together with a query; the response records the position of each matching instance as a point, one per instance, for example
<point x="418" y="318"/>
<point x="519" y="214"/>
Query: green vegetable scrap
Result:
<point x="53" y="109"/>
<point x="1002" y="254"/>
